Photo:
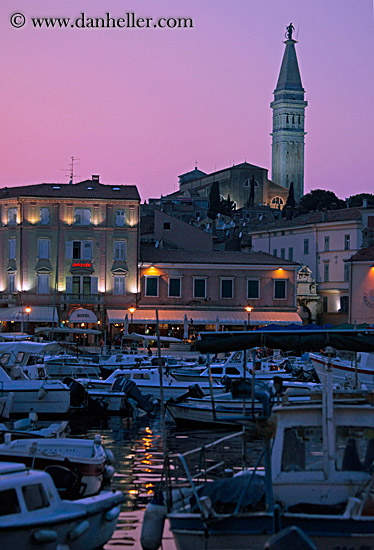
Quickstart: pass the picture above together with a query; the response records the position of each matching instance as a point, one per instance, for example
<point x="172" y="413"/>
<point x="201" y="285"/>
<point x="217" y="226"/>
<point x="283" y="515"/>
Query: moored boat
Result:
<point x="78" y="466"/>
<point x="32" y="514"/>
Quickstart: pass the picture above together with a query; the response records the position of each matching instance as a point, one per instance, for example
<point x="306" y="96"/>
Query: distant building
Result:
<point x="361" y="289"/>
<point x="322" y="241"/>
<point x="68" y="246"/>
<point x="234" y="181"/>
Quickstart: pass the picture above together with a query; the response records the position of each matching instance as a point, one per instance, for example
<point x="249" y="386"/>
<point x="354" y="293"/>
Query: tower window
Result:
<point x="287" y="118"/>
<point x="299" y="119"/>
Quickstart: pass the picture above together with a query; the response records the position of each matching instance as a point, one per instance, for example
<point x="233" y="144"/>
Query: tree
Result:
<point x="357" y="200"/>
<point x="288" y="209"/>
<point x="320" y="199"/>
<point x="214" y="201"/>
<point x="227" y="206"/>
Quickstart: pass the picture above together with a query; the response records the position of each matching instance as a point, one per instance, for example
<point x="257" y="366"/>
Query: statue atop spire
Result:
<point x="289" y="31"/>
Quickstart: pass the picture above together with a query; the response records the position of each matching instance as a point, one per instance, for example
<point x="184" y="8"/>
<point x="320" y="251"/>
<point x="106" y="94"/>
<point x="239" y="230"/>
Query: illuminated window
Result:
<point x="12" y="249"/>
<point x="119" y="284"/>
<point x="326" y="272"/>
<point x="43" y="249"/>
<point x="42" y="283"/>
<point x="120" y="250"/>
<point x="11" y="282"/>
<point x="12" y="216"/>
<point x="120" y="218"/>
<point x="82" y="216"/>
<point x="44" y="215"/>
<point x="78" y="250"/>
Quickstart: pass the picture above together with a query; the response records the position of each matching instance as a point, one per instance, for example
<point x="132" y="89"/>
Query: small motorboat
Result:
<point x="26" y="428"/>
<point x="33" y="515"/>
<point x="79" y="467"/>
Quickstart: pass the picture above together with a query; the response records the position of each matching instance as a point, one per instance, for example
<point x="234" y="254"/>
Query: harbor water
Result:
<point x="139" y="457"/>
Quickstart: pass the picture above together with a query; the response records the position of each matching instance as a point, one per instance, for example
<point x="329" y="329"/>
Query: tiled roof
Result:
<point x="203" y="257"/>
<point x="87" y="189"/>
<point x="363" y="255"/>
<point x="329" y="216"/>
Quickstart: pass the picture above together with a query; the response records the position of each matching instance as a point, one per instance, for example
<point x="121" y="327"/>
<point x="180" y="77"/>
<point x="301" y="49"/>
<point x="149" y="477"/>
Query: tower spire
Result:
<point x="288" y="121"/>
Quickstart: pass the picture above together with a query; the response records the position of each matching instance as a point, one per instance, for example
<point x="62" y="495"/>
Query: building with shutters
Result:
<point x="65" y="247"/>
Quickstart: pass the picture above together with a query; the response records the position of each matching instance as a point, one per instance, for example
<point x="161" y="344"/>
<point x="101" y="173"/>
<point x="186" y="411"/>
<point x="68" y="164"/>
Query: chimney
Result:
<point x="364" y="203"/>
<point x="95" y="178"/>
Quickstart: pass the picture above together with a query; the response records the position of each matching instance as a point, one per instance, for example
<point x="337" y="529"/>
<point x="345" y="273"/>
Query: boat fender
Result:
<point x="109" y="456"/>
<point x="112" y="514"/>
<point x="153" y="523"/>
<point x="109" y="472"/>
<point x="44" y="535"/>
<point x="79" y="530"/>
<point x="42" y="392"/>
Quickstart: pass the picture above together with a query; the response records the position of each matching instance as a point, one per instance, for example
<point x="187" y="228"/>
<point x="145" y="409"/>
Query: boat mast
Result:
<point x="327" y="418"/>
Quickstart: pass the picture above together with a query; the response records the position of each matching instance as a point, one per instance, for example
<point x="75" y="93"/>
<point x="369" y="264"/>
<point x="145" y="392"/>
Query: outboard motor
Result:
<point x="79" y="397"/>
<point x="131" y="390"/>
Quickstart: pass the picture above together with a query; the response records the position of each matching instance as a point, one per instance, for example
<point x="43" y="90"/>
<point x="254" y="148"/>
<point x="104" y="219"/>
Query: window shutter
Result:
<point x="87" y="250"/>
<point x="86" y="216"/>
<point x="69" y="285"/>
<point x="94" y="285"/>
<point x="69" y="250"/>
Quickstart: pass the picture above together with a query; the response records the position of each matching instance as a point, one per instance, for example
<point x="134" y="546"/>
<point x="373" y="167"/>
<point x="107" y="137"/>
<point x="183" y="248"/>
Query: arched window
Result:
<point x="277" y="200"/>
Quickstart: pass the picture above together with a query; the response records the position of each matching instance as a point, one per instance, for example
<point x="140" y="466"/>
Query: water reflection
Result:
<point x="138" y="451"/>
<point x="139" y="459"/>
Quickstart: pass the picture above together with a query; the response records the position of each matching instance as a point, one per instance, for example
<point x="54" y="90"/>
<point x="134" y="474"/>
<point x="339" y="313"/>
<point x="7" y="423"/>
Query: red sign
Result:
<point x="81" y="264"/>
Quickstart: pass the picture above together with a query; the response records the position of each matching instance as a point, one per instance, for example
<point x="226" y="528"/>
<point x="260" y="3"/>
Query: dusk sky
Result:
<point x="140" y="106"/>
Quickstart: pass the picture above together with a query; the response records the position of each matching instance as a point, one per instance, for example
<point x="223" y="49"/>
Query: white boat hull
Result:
<point x="343" y="370"/>
<point x="41" y="401"/>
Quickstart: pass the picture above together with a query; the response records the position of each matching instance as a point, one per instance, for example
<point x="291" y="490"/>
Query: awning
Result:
<point x="60" y="330"/>
<point x="82" y="315"/>
<point x="201" y="317"/>
<point x="38" y="314"/>
<point x="298" y="340"/>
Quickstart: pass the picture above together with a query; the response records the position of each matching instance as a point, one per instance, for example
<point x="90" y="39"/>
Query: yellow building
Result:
<point x="67" y="246"/>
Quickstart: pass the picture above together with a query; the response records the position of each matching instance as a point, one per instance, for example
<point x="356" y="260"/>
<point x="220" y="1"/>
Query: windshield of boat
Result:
<point x="354" y="448"/>
<point x="35" y="497"/>
<point x="302" y="449"/>
<point x="9" y="502"/>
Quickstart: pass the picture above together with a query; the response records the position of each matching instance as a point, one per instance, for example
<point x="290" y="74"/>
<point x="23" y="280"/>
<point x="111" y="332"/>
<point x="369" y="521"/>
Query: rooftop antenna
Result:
<point x="298" y="28"/>
<point x="72" y="164"/>
<point x="196" y="164"/>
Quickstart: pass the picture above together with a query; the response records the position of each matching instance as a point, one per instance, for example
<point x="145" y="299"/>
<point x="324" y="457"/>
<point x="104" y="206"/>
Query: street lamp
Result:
<point x="132" y="311"/>
<point x="28" y="311"/>
<point x="248" y="310"/>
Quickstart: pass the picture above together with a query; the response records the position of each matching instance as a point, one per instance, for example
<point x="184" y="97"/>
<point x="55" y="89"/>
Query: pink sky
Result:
<point x="141" y="105"/>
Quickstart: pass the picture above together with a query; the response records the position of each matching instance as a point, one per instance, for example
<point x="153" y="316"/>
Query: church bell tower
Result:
<point x="288" y="122"/>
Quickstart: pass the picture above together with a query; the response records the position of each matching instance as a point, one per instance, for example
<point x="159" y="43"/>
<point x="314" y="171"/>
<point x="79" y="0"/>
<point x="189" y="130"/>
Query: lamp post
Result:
<point x="248" y="310"/>
<point x="132" y="311"/>
<point x="28" y="311"/>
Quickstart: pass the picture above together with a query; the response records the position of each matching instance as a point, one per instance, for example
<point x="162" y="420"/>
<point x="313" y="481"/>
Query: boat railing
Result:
<point x="211" y="462"/>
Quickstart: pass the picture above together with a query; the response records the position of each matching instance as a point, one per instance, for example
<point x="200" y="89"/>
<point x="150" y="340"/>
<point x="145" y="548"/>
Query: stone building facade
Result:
<point x="67" y="246"/>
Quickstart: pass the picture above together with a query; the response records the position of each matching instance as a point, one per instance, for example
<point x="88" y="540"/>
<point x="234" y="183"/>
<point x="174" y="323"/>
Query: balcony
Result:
<point x="81" y="298"/>
<point x="11" y="299"/>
